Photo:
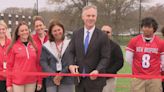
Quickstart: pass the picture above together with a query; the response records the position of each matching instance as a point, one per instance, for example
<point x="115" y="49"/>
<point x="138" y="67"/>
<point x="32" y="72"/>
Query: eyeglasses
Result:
<point x="106" y="31"/>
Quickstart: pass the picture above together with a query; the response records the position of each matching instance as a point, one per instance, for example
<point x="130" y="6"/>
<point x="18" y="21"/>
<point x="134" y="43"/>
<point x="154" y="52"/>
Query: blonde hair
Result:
<point x="2" y="23"/>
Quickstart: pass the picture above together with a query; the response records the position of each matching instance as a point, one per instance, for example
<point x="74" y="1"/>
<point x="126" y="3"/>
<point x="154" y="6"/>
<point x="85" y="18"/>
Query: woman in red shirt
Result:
<point x="23" y="57"/>
<point x="40" y="38"/>
<point x="4" y="43"/>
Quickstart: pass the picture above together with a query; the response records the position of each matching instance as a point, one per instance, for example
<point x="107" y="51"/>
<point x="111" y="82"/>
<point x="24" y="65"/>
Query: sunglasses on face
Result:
<point x="106" y="31"/>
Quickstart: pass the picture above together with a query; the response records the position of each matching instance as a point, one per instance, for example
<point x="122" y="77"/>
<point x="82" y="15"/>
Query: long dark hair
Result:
<point x="52" y="24"/>
<point x="15" y="37"/>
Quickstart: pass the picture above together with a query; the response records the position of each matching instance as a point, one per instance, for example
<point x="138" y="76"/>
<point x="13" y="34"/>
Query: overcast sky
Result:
<point x="22" y="3"/>
<point x="42" y="3"/>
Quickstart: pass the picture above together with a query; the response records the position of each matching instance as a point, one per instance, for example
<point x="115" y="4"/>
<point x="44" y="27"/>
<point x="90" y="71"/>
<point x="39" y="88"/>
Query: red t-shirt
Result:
<point x="146" y="58"/>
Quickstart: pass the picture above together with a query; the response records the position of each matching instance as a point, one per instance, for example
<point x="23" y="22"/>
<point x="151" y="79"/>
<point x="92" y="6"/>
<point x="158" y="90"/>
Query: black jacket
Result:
<point x="116" y="59"/>
<point x="96" y="58"/>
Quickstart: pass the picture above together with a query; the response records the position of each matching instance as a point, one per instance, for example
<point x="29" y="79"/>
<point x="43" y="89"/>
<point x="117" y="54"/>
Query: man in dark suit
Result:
<point x="88" y="52"/>
<point x="116" y="60"/>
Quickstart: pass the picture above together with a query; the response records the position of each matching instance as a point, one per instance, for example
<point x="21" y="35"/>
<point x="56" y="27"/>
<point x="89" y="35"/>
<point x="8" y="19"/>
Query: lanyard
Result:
<point x="59" y="50"/>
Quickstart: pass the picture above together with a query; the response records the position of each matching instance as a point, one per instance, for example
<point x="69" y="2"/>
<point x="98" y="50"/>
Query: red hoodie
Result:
<point x="3" y="56"/>
<point x="39" y="45"/>
<point x="22" y="58"/>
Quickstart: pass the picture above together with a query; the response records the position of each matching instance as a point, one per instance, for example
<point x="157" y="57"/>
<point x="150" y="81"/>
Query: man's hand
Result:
<point x="57" y="80"/>
<point x="92" y="73"/>
<point x="74" y="69"/>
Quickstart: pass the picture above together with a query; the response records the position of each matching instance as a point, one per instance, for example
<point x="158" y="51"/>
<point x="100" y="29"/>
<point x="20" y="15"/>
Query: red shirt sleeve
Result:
<point x="161" y="47"/>
<point x="10" y="63"/>
<point x="39" y="70"/>
<point x="131" y="45"/>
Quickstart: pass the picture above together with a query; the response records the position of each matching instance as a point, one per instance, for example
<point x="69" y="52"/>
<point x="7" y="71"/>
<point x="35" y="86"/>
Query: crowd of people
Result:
<point x="89" y="51"/>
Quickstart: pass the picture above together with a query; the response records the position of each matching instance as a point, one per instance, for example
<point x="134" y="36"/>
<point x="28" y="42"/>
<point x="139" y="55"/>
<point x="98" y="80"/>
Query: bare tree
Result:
<point x="112" y="12"/>
<point x="19" y="11"/>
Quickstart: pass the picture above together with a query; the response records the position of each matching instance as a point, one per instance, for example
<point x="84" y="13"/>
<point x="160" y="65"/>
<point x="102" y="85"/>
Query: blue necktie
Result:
<point x="86" y="43"/>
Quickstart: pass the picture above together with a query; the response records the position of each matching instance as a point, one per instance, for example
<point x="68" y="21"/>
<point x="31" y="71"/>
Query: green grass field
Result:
<point x="123" y="84"/>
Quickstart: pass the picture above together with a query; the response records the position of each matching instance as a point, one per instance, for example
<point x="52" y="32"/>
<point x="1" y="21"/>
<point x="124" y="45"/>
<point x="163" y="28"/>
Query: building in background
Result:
<point x="12" y="20"/>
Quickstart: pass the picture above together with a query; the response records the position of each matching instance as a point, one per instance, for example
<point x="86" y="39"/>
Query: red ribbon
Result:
<point x="78" y="75"/>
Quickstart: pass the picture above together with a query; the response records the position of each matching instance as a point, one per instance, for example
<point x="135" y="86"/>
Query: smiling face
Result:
<point x="3" y="30"/>
<point x="23" y="32"/>
<point x="57" y="32"/>
<point x="89" y="16"/>
<point x="39" y="26"/>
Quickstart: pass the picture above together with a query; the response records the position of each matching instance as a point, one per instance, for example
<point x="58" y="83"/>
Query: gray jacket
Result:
<point x="49" y="59"/>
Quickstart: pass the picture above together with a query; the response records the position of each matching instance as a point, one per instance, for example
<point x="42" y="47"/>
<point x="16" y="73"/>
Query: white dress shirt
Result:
<point x="90" y="33"/>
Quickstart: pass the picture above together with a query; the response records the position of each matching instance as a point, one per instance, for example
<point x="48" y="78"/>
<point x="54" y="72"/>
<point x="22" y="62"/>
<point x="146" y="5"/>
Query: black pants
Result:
<point x="43" y="86"/>
<point x="163" y="86"/>
<point x="3" y="86"/>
